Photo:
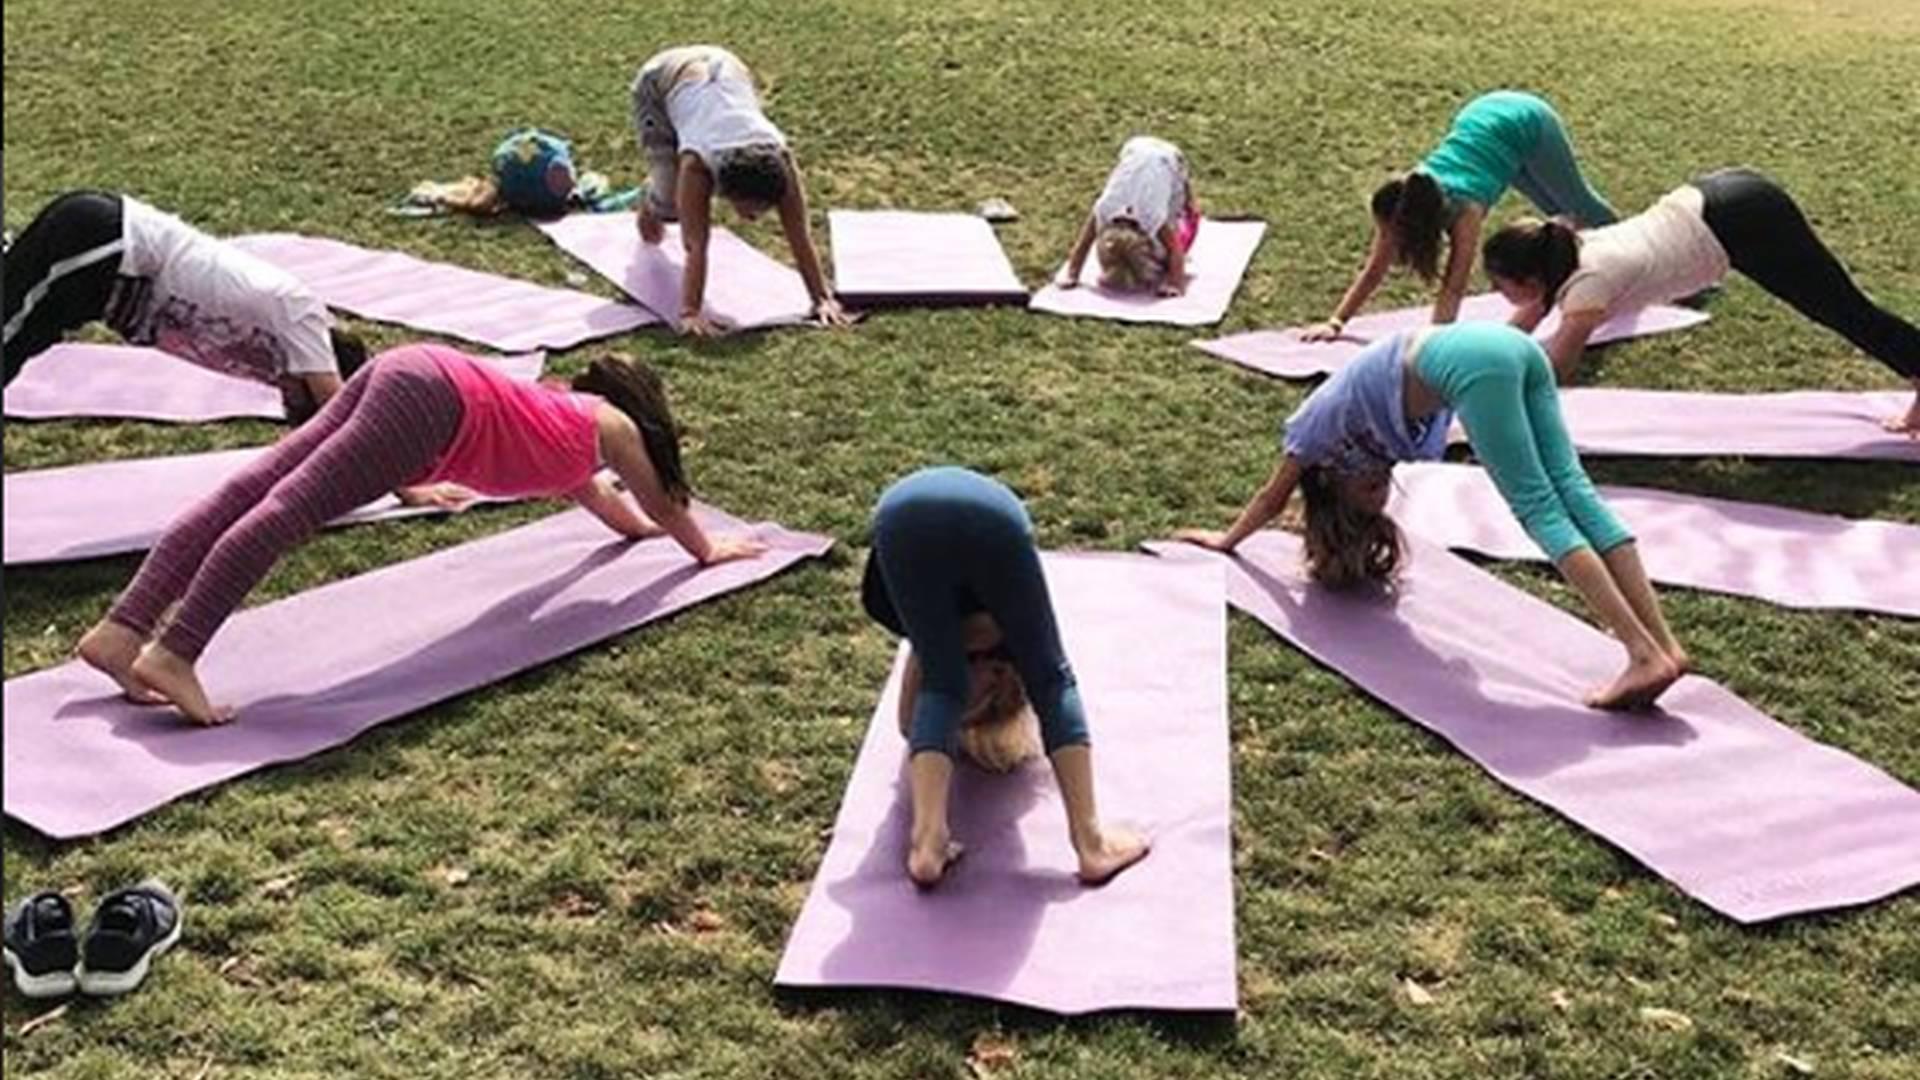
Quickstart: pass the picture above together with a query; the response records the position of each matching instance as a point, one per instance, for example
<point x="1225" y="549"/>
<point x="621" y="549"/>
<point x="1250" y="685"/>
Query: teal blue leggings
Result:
<point x="1550" y="177"/>
<point x="1498" y="381"/>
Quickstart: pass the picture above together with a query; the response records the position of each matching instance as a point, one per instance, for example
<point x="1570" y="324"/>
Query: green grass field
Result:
<point x="589" y="871"/>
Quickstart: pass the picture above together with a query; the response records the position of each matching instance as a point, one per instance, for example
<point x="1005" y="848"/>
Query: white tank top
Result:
<point x="720" y="112"/>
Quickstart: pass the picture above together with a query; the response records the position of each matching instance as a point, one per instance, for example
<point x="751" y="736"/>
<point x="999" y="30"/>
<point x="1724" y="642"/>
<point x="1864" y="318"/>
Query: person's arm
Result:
<point x="449" y="497"/>
<point x="1463" y="247"/>
<point x="909" y="692"/>
<point x="1176" y="280"/>
<point x="1266" y="504"/>
<point x="1077" y="258"/>
<point x="1569" y="341"/>
<point x="321" y="386"/>
<point x="601" y="497"/>
<point x="1379" y="260"/>
<point x="793" y="222"/>
<point x="696" y="219"/>
<point x="627" y="456"/>
<point x="1528" y="318"/>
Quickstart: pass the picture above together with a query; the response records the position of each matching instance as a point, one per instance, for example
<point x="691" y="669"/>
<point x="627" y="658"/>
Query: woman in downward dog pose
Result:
<point x="416" y="415"/>
<point x="1499" y="140"/>
<point x="697" y="116"/>
<point x="1730" y="219"/>
<point x="1395" y="403"/>
<point x="1143" y="224"/>
<point x="954" y="570"/>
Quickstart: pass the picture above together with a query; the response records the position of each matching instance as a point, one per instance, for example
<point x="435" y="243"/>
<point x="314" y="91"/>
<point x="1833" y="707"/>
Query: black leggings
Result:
<point x="60" y="273"/>
<point x="1767" y="238"/>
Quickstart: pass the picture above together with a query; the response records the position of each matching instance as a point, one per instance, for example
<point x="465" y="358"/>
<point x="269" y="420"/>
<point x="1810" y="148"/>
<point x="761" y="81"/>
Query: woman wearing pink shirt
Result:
<point x="418" y="415"/>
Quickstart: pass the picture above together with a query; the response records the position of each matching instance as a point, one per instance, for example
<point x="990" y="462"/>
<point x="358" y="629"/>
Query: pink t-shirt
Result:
<point x="516" y="439"/>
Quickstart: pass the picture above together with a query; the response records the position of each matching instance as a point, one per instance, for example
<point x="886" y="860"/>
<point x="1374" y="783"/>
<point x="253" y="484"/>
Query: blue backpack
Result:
<point x="534" y="169"/>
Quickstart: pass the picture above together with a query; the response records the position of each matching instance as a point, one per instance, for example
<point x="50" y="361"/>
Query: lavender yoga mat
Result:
<point x="1222" y="251"/>
<point x="1011" y="922"/>
<point x="1743" y="813"/>
<point x="124" y="382"/>
<point x="501" y="312"/>
<point x="1799" y="424"/>
<point x="883" y="257"/>
<point x="1787" y="557"/>
<point x="1282" y="353"/>
<point x="81" y="760"/>
<point x="745" y="289"/>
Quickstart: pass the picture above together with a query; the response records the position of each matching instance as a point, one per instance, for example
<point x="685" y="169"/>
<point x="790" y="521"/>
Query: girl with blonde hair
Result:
<point x="1143" y="223"/>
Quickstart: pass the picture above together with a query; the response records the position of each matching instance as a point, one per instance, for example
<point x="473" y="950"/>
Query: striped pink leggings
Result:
<point x="385" y="429"/>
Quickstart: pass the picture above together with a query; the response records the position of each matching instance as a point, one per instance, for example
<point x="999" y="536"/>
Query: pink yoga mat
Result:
<point x="745" y="289"/>
<point x="1800" y="424"/>
<point x="1744" y="814"/>
<point x="122" y="382"/>
<point x="80" y="760"/>
<point x="1222" y="251"/>
<point x="1787" y="557"/>
<point x="901" y="257"/>
<point x="1011" y="922"/>
<point x="501" y="312"/>
<point x="1282" y="353"/>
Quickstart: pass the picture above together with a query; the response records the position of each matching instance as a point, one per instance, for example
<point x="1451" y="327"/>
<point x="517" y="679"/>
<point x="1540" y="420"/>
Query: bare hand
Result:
<point x="728" y="548"/>
<point x="651" y="230"/>
<point x="1173" y="286"/>
<point x="1067" y="281"/>
<point x="1211" y="539"/>
<point x="699" y="325"/>
<point x="828" y="312"/>
<point x="1325" y="331"/>
<point x="449" y="497"/>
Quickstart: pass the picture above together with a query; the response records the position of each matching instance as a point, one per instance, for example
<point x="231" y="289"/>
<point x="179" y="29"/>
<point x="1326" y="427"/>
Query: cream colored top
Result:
<point x="1662" y="254"/>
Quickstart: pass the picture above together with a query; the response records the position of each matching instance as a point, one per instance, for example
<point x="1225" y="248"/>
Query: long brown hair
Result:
<point x="1413" y="210"/>
<point x="1547" y="252"/>
<point x="1347" y="546"/>
<point x="636" y="389"/>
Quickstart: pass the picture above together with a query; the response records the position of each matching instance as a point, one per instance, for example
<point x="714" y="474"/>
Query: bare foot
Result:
<point x="1639" y="685"/>
<point x="1908" y="425"/>
<point x="179" y="683"/>
<point x="111" y="649"/>
<point x="1116" y="850"/>
<point x="926" y="865"/>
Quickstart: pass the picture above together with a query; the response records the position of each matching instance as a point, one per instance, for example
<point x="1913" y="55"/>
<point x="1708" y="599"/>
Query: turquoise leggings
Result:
<point x="1550" y="177"/>
<point x="1498" y="381"/>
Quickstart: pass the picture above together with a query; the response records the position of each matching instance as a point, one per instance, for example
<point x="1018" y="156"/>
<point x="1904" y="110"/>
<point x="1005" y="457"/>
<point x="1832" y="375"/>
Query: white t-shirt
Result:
<point x="1148" y="187"/>
<point x="1663" y="254"/>
<point x="720" y="112"/>
<point x="214" y="305"/>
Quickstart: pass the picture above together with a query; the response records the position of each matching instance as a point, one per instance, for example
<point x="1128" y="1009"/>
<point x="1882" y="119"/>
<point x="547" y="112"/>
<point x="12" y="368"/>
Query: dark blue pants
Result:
<point x="947" y="543"/>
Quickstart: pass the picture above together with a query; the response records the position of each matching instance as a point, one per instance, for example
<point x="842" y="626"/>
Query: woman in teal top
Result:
<point x="1500" y="140"/>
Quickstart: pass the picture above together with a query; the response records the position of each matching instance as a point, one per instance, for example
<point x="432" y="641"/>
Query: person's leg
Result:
<point x="404" y="419"/>
<point x="1481" y="371"/>
<point x="1550" y="177"/>
<point x="1604" y="531"/>
<point x="59" y="273"/>
<point x="114" y="643"/>
<point x="1005" y="574"/>
<point x="654" y="132"/>
<point x="913" y="546"/>
<point x="1768" y="238"/>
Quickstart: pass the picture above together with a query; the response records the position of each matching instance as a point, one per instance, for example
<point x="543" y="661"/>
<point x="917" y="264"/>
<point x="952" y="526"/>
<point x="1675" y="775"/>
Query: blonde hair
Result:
<point x="1347" y="546"/>
<point x="1001" y="733"/>
<point x="1129" y="261"/>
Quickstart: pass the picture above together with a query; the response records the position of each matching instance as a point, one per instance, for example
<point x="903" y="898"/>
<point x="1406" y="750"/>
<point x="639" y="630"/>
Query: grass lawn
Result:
<point x="589" y="871"/>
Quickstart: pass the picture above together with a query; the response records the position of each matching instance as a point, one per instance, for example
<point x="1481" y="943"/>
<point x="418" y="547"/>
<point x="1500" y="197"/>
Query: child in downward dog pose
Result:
<point x="1730" y="219"/>
<point x="1143" y="223"/>
<point x="1395" y="403"/>
<point x="158" y="281"/>
<point x="1499" y="140"/>
<point x="954" y="570"/>
<point x="697" y="116"/>
<point x="420" y="414"/>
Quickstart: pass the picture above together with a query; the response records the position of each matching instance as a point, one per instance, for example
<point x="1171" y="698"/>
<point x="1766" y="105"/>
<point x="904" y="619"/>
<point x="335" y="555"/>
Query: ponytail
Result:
<point x="1545" y="253"/>
<point x="635" y="389"/>
<point x="1413" y="210"/>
